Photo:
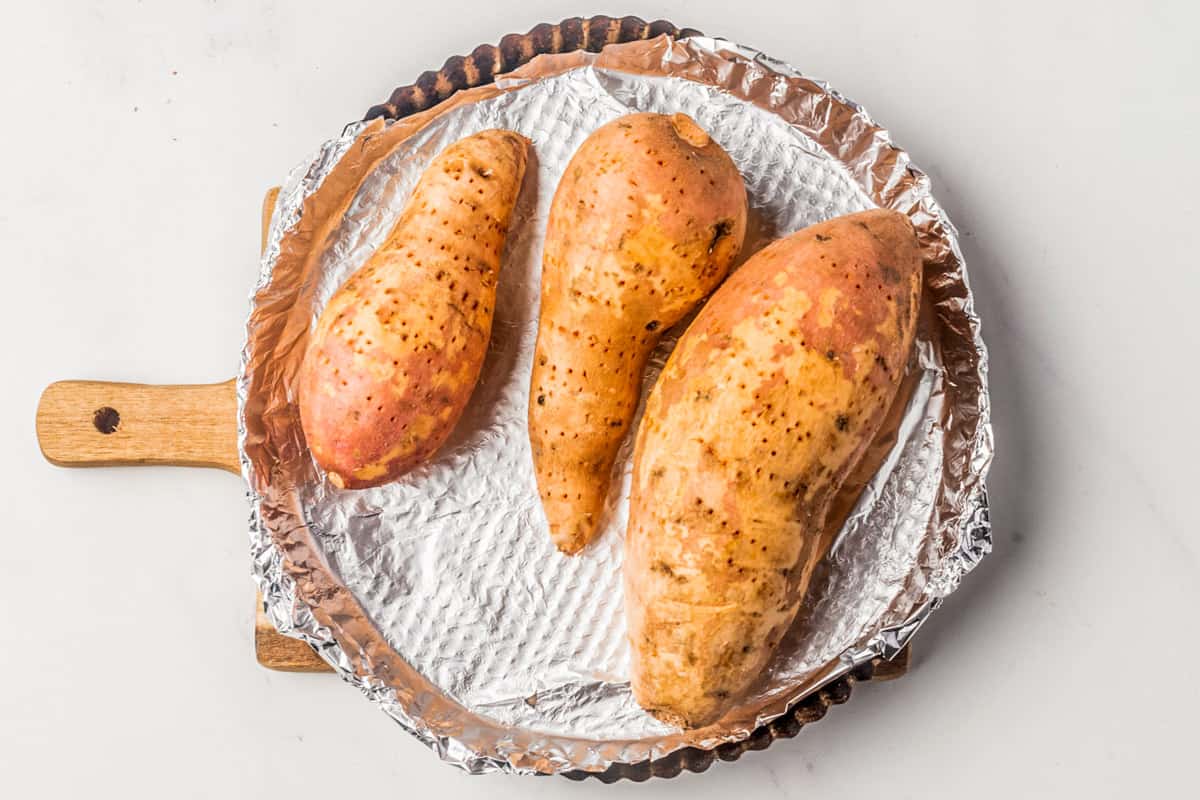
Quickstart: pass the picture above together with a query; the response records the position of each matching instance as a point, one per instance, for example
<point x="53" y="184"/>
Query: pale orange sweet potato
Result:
<point x="397" y="351"/>
<point x="648" y="217"/>
<point x="768" y="401"/>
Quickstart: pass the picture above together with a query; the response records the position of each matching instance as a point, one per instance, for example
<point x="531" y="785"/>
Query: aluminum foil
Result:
<point x="440" y="596"/>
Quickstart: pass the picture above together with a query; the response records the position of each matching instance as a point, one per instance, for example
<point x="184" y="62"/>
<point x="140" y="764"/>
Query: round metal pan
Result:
<point x="317" y="594"/>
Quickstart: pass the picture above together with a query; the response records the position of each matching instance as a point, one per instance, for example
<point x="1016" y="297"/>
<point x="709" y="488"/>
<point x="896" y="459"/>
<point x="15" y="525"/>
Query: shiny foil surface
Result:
<point x="441" y="596"/>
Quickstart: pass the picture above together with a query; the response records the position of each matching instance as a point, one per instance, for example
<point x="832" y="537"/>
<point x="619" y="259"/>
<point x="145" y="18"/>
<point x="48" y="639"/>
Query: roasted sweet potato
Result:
<point x="647" y="220"/>
<point x="768" y="401"/>
<point x="397" y="351"/>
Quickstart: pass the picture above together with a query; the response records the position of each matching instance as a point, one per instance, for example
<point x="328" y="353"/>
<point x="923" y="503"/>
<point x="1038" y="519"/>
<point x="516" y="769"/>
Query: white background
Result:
<point x="136" y="141"/>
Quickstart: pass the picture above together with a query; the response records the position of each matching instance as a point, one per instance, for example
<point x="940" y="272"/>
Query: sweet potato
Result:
<point x="648" y="217"/>
<point x="768" y="401"/>
<point x="397" y="351"/>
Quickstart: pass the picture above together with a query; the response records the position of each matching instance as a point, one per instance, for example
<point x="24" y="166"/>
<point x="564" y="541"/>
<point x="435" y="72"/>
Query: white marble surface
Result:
<point x="138" y="139"/>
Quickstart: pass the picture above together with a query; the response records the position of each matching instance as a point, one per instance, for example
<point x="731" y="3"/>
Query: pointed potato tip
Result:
<point x="568" y="544"/>
<point x="571" y="538"/>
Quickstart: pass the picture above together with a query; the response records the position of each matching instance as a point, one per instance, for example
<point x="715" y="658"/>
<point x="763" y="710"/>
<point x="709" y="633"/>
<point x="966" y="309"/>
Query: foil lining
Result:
<point x="440" y="596"/>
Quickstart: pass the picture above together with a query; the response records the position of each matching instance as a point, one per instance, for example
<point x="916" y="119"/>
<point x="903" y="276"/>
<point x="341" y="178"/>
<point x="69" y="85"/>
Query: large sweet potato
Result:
<point x="767" y="402"/>
<point x="645" y="223"/>
<point x="397" y="351"/>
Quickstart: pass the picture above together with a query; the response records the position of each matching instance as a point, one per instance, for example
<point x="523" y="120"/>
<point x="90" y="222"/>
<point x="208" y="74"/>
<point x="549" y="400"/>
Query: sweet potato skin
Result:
<point x="397" y="351"/>
<point x="647" y="220"/>
<point x="764" y="407"/>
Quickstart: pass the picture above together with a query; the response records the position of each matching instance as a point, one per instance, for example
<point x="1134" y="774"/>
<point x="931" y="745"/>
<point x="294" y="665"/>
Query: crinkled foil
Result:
<point x="440" y="596"/>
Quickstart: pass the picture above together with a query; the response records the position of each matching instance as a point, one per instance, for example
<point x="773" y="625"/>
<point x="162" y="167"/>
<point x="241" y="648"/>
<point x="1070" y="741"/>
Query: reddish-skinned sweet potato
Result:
<point x="397" y="351"/>
<point x="768" y="401"/>
<point x="647" y="220"/>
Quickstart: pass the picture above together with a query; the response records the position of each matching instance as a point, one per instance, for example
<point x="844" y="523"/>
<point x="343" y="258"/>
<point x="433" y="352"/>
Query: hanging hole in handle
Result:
<point x="106" y="420"/>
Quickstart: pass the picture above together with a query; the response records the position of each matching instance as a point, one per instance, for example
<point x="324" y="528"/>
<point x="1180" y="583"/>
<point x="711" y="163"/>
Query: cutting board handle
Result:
<point x="99" y="424"/>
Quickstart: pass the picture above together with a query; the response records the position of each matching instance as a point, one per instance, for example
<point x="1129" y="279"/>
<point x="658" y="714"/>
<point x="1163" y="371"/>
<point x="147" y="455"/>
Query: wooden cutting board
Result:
<point x="101" y="424"/>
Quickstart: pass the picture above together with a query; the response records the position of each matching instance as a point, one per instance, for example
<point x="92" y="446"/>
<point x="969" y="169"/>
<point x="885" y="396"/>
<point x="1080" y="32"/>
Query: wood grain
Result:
<point x="283" y="653"/>
<point x="99" y="424"/>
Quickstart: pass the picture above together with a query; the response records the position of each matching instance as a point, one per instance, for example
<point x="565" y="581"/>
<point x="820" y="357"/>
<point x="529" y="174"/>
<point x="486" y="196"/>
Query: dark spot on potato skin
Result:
<point x="720" y="231"/>
<point x="753" y="293"/>
<point x="356" y="436"/>
<point x="408" y="354"/>
<point x="658" y="267"/>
